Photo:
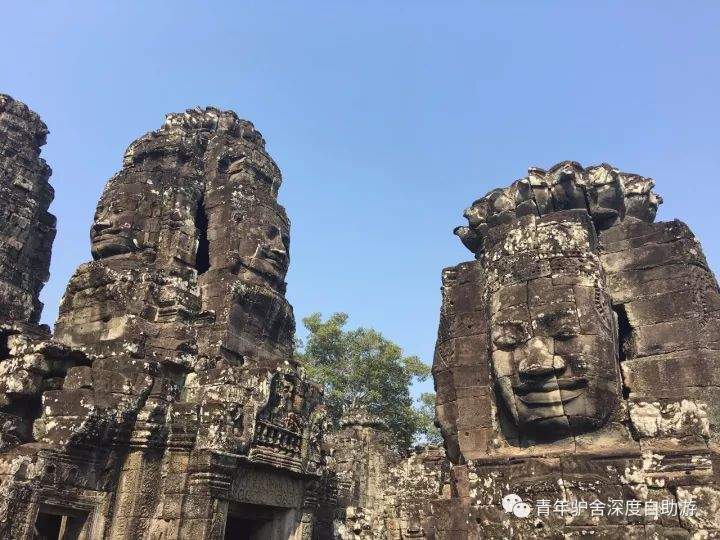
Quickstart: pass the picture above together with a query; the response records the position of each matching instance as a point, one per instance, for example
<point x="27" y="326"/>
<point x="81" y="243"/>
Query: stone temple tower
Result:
<point x="27" y="229"/>
<point x="167" y="403"/>
<point x="577" y="365"/>
<point x="191" y="249"/>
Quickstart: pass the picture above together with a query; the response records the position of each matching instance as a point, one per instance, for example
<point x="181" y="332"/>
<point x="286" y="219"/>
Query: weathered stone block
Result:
<point x="663" y="308"/>
<point x="450" y="516"/>
<point x="706" y="501"/>
<point x="653" y="375"/>
<point x="471" y="352"/>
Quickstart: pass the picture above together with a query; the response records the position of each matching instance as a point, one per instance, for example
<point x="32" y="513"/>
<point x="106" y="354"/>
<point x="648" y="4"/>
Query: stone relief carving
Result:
<point x="27" y="229"/>
<point x="553" y="338"/>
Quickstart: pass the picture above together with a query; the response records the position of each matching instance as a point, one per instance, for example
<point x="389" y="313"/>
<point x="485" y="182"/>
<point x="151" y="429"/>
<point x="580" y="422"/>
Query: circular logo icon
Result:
<point x="522" y="509"/>
<point x="509" y="501"/>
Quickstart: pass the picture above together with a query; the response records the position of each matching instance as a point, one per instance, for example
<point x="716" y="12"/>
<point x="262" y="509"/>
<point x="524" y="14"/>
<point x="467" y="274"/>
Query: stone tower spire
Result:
<point x="582" y="339"/>
<point x="27" y="229"/>
<point x="191" y="249"/>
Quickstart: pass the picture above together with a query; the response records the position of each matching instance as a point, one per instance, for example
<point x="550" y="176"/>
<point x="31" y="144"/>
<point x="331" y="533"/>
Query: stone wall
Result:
<point x="576" y="363"/>
<point x="382" y="494"/>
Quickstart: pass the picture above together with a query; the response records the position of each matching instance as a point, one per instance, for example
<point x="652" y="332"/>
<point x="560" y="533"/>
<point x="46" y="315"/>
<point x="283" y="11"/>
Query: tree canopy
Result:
<point x="360" y="367"/>
<point x="426" y="419"/>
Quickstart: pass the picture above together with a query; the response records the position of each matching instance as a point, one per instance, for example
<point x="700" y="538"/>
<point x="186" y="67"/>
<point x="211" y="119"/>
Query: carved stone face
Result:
<point x="111" y="232"/>
<point x="554" y="356"/>
<point x="265" y="248"/>
<point x="149" y="204"/>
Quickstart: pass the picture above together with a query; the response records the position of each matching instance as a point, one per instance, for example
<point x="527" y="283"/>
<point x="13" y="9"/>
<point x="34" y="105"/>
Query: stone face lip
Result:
<point x="27" y="229"/>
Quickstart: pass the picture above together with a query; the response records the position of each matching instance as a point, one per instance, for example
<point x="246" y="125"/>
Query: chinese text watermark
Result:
<point x="514" y="504"/>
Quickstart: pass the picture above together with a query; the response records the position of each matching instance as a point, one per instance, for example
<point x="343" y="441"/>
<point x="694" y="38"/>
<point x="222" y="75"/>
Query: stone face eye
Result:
<point x="565" y="332"/>
<point x="509" y="334"/>
<point x="561" y="324"/>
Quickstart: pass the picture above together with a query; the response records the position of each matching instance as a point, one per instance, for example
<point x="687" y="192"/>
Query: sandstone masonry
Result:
<point x="167" y="403"/>
<point x="577" y="360"/>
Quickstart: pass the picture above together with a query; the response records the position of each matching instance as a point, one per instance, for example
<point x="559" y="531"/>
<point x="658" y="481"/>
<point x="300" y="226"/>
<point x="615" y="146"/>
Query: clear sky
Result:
<point x="387" y="118"/>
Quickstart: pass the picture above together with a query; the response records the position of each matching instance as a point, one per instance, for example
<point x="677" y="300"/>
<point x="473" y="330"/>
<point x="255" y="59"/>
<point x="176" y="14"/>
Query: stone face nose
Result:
<point x="99" y="226"/>
<point x="539" y="361"/>
<point x="276" y="247"/>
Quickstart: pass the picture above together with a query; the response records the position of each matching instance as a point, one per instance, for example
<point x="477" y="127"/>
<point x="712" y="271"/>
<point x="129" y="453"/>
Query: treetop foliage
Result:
<point x="360" y="367"/>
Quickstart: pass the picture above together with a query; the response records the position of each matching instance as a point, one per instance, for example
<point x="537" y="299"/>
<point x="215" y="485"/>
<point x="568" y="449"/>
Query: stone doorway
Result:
<point x="257" y="522"/>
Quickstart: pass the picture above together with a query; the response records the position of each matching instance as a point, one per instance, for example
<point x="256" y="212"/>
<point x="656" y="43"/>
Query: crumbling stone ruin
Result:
<point x="380" y="493"/>
<point x="167" y="403"/>
<point x="576" y="363"/>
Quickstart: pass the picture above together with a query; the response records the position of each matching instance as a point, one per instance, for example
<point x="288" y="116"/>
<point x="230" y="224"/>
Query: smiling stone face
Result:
<point x="553" y="336"/>
<point x="113" y="231"/>
<point x="555" y="374"/>
<point x="264" y="252"/>
<point x="150" y="204"/>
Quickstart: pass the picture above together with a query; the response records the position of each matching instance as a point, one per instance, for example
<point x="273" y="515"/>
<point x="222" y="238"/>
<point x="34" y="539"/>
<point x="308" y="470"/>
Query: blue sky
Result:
<point x="387" y="119"/>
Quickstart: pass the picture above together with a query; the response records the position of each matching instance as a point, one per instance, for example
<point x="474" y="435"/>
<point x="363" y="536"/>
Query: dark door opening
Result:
<point x="625" y="341"/>
<point x="47" y="526"/>
<point x="238" y="528"/>
<point x="4" y="346"/>
<point x="250" y="522"/>
<point x="624" y="331"/>
<point x="59" y="524"/>
<point x="202" y="257"/>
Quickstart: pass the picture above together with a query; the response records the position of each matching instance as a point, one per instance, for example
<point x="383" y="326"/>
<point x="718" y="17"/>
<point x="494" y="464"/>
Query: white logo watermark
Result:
<point x="513" y="504"/>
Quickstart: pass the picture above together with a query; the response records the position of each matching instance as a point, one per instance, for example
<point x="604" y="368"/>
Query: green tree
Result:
<point x="426" y="427"/>
<point x="361" y="367"/>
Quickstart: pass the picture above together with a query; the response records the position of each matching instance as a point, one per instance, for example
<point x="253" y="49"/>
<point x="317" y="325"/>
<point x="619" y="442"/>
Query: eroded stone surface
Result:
<point x="382" y="494"/>
<point x="27" y="229"/>
<point x="191" y="249"/>
<point x="576" y="362"/>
